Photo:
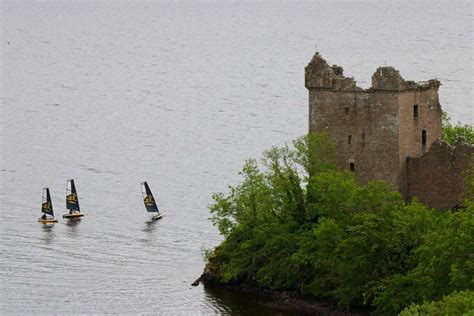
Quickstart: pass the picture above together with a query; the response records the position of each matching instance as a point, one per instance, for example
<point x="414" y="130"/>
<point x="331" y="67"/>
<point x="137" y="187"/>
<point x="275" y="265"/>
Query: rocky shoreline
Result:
<point x="291" y="301"/>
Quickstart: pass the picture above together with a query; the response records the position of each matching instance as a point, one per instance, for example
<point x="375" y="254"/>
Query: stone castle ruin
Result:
<point x="390" y="131"/>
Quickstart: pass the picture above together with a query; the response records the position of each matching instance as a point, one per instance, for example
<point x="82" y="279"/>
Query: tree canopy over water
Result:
<point x="296" y="222"/>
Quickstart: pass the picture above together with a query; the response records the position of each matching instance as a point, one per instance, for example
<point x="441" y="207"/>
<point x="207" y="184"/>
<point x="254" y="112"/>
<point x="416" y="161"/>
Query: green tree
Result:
<point x="442" y="263"/>
<point x="454" y="304"/>
<point x="452" y="133"/>
<point x="296" y="222"/>
<point x="468" y="193"/>
<point x="316" y="153"/>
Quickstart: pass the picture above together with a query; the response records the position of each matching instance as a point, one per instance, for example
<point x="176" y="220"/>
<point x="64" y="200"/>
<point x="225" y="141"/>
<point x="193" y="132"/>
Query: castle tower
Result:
<point x="375" y="129"/>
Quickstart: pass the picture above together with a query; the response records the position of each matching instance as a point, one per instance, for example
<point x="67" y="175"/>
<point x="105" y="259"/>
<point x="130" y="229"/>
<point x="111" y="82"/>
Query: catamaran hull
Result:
<point x="47" y="221"/>
<point x="157" y="217"/>
<point x="71" y="216"/>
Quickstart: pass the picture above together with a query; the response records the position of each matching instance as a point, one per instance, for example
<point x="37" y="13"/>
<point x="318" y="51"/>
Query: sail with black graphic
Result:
<point x="47" y="208"/>
<point x="149" y="201"/>
<point x="72" y="201"/>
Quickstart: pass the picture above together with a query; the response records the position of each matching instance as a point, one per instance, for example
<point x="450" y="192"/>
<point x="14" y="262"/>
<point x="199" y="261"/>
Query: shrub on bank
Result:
<point x="300" y="224"/>
<point x="457" y="303"/>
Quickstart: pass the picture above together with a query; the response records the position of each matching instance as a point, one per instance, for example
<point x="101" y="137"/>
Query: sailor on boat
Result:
<point x="72" y="201"/>
<point x="149" y="201"/>
<point x="47" y="208"/>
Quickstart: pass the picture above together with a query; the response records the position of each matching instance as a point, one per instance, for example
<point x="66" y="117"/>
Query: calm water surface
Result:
<point x="178" y="94"/>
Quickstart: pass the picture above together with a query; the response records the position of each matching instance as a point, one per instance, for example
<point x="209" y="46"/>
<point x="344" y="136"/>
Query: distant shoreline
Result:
<point x="283" y="300"/>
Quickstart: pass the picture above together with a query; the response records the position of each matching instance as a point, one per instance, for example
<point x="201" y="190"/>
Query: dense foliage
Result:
<point x="300" y="224"/>
<point x="457" y="303"/>
<point x="453" y="133"/>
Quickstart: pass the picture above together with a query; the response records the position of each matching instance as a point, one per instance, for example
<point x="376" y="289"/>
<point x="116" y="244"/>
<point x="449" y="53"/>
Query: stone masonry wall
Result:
<point x="428" y="119"/>
<point x="388" y="132"/>
<point x="374" y="129"/>
<point x="352" y="119"/>
<point x="437" y="177"/>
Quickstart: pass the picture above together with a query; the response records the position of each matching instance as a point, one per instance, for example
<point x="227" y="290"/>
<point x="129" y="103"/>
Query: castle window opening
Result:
<point x="423" y="138"/>
<point x="352" y="166"/>
<point x="346" y="110"/>
<point x="363" y="139"/>
<point x="415" y="111"/>
<point x="349" y="139"/>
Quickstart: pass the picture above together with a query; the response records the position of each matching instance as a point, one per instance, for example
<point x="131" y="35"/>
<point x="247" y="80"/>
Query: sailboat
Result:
<point x="149" y="201"/>
<point x="47" y="208"/>
<point x="72" y="202"/>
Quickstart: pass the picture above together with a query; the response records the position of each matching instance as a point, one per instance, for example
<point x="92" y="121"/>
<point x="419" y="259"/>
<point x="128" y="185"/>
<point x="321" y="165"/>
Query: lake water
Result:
<point x="178" y="94"/>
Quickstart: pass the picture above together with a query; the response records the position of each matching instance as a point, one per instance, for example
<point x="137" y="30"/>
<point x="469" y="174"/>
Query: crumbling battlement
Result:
<point x="319" y="75"/>
<point x="389" y="79"/>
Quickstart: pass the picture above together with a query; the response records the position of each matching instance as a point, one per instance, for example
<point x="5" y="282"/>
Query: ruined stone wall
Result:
<point x="364" y="123"/>
<point x="412" y="125"/>
<point x="437" y="177"/>
<point x="364" y="127"/>
<point x="375" y="129"/>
